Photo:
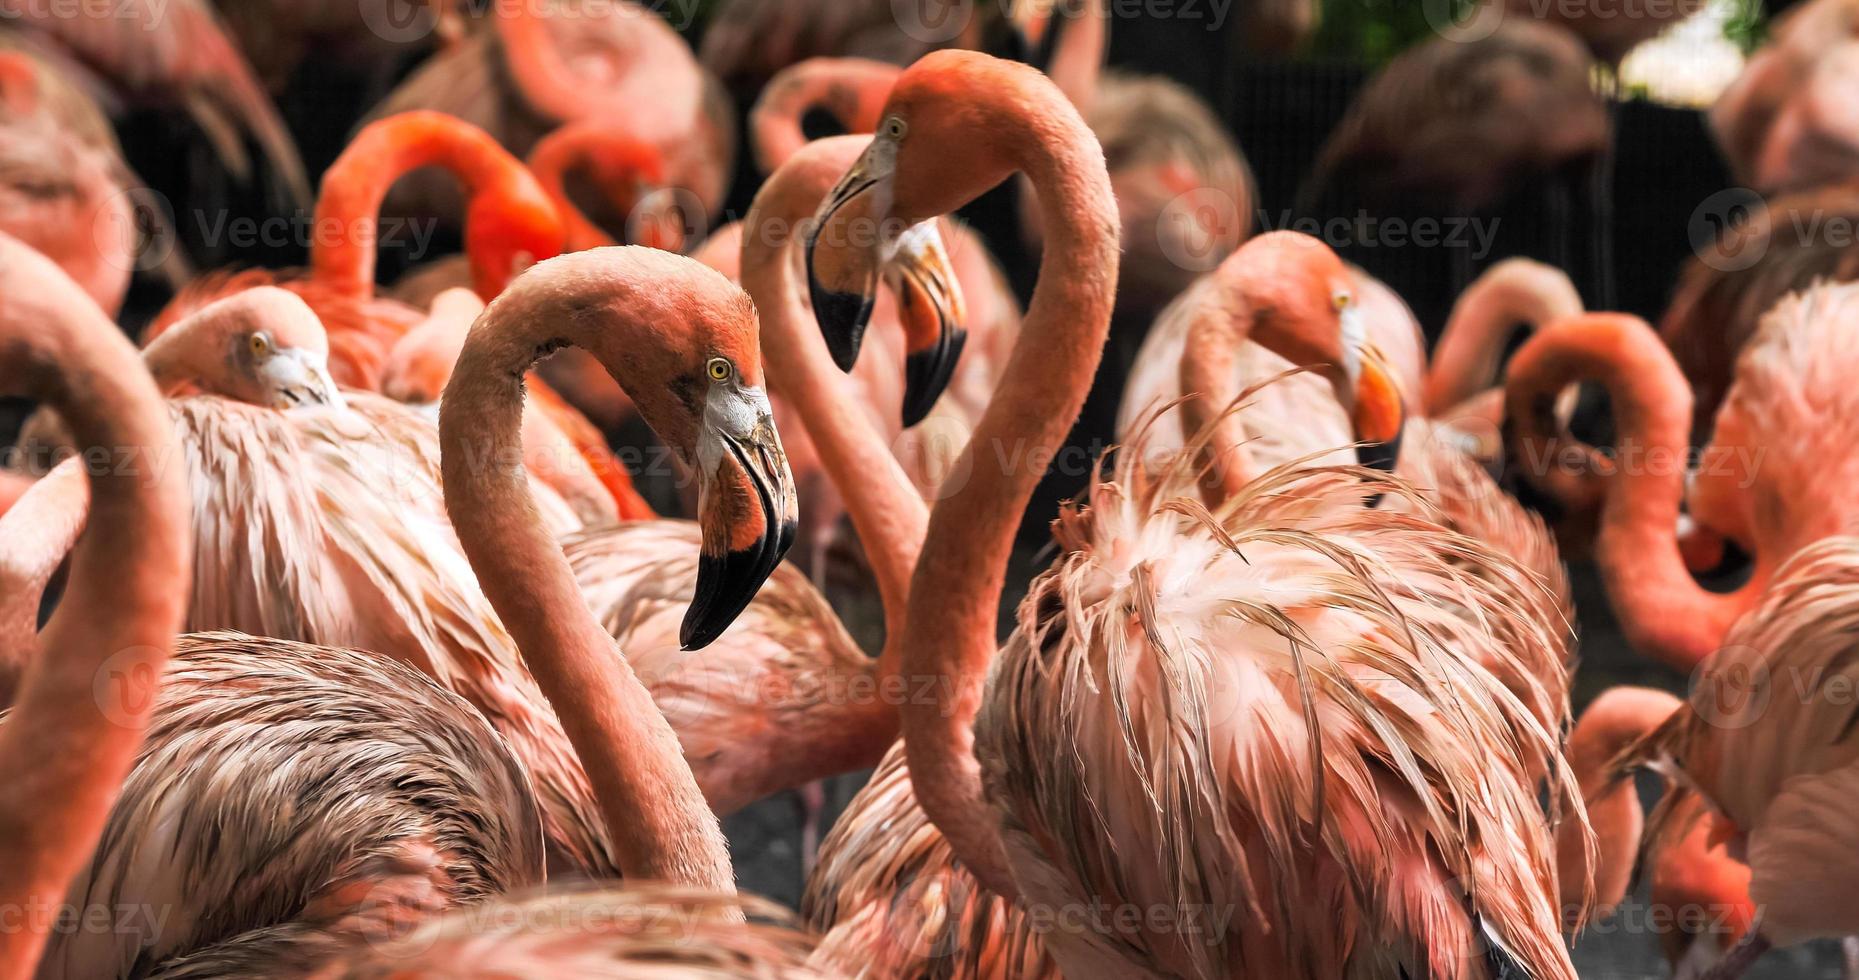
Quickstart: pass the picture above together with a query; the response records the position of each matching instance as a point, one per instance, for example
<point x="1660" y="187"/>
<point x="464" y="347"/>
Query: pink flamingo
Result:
<point x="1765" y="742"/>
<point x="637" y="931"/>
<point x="173" y="53"/>
<point x="1696" y="885"/>
<point x="1716" y="305"/>
<point x="905" y="177"/>
<point x="64" y="757"/>
<point x="1744" y="116"/>
<point x="66" y="190"/>
<point x="1464" y="122"/>
<point x="365" y="39"/>
<point x="543" y="65"/>
<point x="1772" y="480"/>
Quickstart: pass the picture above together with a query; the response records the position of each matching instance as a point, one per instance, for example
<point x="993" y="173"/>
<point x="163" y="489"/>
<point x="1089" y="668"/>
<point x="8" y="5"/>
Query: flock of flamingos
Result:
<point x="368" y="659"/>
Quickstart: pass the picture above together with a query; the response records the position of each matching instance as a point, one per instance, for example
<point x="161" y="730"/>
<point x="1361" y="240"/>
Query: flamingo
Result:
<point x="63" y="758"/>
<point x="64" y="188"/>
<point x="1744" y="115"/>
<point x="639" y="932"/>
<point x="365" y="38"/>
<point x="1462" y="122"/>
<point x="166" y="52"/>
<point x="542" y="65"/>
<point x="1772" y="480"/>
<point x="1775" y="775"/>
<point x="1696" y="885"/>
<point x="950" y="635"/>
<point x="510" y="224"/>
<point x="1722" y="294"/>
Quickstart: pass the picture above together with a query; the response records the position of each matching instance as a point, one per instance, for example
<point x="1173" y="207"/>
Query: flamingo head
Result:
<point x="700" y="388"/>
<point x="936" y="147"/>
<point x="263" y="346"/>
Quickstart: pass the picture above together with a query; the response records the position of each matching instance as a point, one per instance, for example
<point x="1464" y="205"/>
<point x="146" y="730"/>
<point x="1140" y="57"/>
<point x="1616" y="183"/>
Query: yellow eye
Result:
<point x="895" y="128"/>
<point x="260" y="343"/>
<point x="719" y="369"/>
<point x="1339" y="300"/>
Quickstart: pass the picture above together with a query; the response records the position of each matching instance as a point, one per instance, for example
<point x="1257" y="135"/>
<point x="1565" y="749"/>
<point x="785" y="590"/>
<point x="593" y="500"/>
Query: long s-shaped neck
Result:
<point x="1465" y="361"/>
<point x="1209" y="371"/>
<point x="80" y="715"/>
<point x="1616" y="719"/>
<point x="623" y="160"/>
<point x="852" y="89"/>
<point x="963" y="566"/>
<point x="886" y="509"/>
<point x="36" y="534"/>
<point x="1664" y="612"/>
<point x="655" y="814"/>
<point x="347" y="223"/>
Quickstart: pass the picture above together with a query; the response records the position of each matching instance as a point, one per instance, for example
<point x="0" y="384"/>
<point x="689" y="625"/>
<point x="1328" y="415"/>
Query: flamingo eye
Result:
<point x="1339" y="299"/>
<point x="260" y="344"/>
<point x="719" y="369"/>
<point x="895" y="128"/>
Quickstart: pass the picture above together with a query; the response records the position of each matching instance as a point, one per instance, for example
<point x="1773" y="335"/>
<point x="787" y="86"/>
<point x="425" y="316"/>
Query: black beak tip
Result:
<point x="726" y="585"/>
<point x="927" y="374"/>
<point x="1380" y="455"/>
<point x="842" y="316"/>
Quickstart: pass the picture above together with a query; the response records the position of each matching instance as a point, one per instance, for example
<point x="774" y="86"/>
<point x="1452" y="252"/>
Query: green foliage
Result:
<point x="1746" y="25"/>
<point x="1372" y="31"/>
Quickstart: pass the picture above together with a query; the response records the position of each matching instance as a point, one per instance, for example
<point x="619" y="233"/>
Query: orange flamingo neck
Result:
<point x="36" y="534"/>
<point x="606" y="303"/>
<point x="1664" y="612"/>
<point x="622" y="161"/>
<point x="79" y="718"/>
<point x="1616" y="719"/>
<point x="852" y="89"/>
<point x="503" y="202"/>
<point x="1466" y="359"/>
<point x="955" y="595"/>
<point x="19" y="84"/>
<point x="886" y="509"/>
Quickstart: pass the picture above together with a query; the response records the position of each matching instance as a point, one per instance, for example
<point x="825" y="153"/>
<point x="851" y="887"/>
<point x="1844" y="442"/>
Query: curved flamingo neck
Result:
<point x="852" y="89"/>
<point x="1078" y="55"/>
<point x="36" y="534"/>
<point x="1466" y="359"/>
<point x="886" y="509"/>
<point x="1616" y="719"/>
<point x="580" y="144"/>
<point x="1664" y="612"/>
<point x="79" y="718"/>
<point x="19" y="84"/>
<point x="1209" y="372"/>
<point x="962" y="569"/>
<point x="655" y="814"/>
<point x="347" y="223"/>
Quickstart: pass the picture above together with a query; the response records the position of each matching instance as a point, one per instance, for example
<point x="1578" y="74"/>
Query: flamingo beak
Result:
<point x="844" y="254"/>
<point x="746" y="509"/>
<point x="1376" y="413"/>
<point x="930" y="303"/>
<point x="299" y="378"/>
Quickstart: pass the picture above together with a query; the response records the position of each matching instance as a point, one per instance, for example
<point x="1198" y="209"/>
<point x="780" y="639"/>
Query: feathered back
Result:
<point x="594" y="933"/>
<point x="1273" y="726"/>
